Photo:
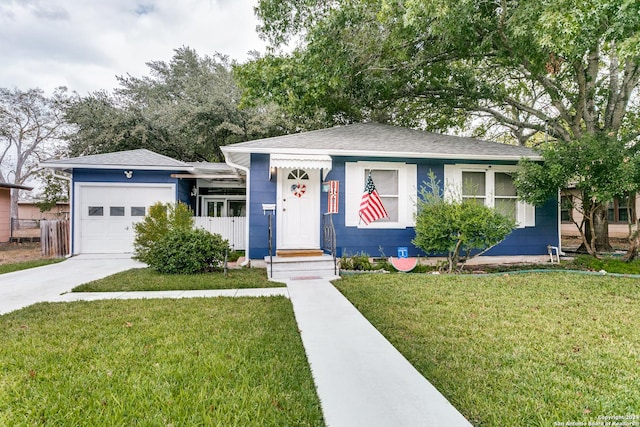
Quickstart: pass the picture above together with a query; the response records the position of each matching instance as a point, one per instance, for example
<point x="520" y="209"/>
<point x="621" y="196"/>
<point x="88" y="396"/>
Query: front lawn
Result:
<point x="514" y="350"/>
<point x="217" y="362"/>
<point x="147" y="279"/>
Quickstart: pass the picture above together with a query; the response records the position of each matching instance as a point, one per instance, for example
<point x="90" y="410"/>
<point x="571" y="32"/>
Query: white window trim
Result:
<point x="525" y="213"/>
<point x="407" y="193"/>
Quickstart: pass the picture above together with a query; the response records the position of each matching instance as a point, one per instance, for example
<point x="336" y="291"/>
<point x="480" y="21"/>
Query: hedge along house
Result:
<point x="110" y="192"/>
<point x="304" y="176"/>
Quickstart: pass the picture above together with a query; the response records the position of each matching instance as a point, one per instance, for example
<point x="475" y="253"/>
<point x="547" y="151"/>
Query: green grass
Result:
<point x="146" y="279"/>
<point x="514" y="350"/>
<point x="215" y="362"/>
<point x="608" y="264"/>
<point x="17" y="266"/>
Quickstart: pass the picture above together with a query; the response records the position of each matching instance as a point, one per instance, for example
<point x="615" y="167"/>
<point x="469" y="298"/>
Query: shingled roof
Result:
<point x="134" y="159"/>
<point x="378" y="140"/>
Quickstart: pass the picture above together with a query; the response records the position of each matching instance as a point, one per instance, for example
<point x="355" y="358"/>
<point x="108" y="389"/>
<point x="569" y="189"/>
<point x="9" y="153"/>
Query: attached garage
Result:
<point x="113" y="191"/>
<point x="105" y="213"/>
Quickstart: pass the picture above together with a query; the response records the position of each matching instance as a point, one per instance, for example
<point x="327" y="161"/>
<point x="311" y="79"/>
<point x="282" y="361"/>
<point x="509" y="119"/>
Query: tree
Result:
<point x="599" y="167"/>
<point x="187" y="109"/>
<point x="55" y="190"/>
<point x="32" y="129"/>
<point x="461" y="229"/>
<point x="512" y="70"/>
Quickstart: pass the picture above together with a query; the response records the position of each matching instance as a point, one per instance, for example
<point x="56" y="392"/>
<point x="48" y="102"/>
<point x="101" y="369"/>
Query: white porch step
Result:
<point x="286" y="268"/>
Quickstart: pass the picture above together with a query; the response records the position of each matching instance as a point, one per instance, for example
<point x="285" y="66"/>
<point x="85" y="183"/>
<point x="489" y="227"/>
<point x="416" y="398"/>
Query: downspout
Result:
<point x="560" y="222"/>
<point x="247" y="171"/>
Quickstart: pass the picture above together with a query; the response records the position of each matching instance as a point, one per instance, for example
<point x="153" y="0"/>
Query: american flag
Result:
<point x="371" y="207"/>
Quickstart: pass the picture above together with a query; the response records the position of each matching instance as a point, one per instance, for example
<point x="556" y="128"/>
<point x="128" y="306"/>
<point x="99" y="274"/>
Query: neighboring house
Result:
<point x="5" y="209"/>
<point x="28" y="210"/>
<point x="620" y="212"/>
<point x="294" y="172"/>
<point x="110" y="192"/>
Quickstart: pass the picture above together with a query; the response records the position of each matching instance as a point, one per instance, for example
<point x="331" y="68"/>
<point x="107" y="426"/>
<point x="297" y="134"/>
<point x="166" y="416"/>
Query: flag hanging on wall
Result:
<point x="371" y="207"/>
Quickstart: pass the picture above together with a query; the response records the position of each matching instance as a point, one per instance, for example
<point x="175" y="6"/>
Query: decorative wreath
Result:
<point x="298" y="189"/>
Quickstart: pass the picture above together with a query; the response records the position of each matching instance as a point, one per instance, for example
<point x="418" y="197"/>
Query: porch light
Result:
<point x="272" y="172"/>
<point x="194" y="191"/>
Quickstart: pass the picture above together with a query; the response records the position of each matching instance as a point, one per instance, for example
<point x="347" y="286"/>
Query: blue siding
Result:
<point x="262" y="191"/>
<point x="379" y="242"/>
<point x="184" y="193"/>
<point x="375" y="242"/>
<point x="117" y="175"/>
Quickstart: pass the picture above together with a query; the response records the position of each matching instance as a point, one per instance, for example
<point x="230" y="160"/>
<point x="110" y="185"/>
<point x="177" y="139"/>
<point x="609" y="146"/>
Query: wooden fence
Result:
<point x="54" y="237"/>
<point x="230" y="228"/>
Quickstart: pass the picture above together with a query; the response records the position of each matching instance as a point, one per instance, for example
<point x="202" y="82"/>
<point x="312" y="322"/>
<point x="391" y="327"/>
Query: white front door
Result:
<point x="298" y="210"/>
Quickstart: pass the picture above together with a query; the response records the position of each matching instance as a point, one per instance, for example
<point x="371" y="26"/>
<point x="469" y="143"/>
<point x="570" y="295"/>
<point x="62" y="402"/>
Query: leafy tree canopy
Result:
<point x="565" y="67"/>
<point x="599" y="167"/>
<point x="186" y="108"/>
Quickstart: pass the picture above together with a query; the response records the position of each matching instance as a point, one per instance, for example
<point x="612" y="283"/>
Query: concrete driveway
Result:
<point x="22" y="288"/>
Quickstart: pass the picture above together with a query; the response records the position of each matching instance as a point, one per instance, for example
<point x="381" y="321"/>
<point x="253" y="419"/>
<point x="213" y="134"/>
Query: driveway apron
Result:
<point x="22" y="288"/>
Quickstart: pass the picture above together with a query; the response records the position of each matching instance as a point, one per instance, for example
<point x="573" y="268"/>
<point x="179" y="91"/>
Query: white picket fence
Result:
<point x="232" y="228"/>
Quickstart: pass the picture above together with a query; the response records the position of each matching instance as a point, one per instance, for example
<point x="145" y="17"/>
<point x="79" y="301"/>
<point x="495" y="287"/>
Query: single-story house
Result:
<point x="110" y="192"/>
<point x="5" y="208"/>
<point x="300" y="181"/>
<point x="29" y="210"/>
<point x="620" y="212"/>
<point x="303" y="176"/>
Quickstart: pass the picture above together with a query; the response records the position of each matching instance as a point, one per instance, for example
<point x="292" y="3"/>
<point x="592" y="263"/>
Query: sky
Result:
<point x="85" y="44"/>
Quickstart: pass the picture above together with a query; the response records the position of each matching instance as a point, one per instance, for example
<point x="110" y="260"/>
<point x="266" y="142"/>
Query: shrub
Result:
<point x="187" y="251"/>
<point x="457" y="228"/>
<point x="157" y="223"/>
<point x="359" y="262"/>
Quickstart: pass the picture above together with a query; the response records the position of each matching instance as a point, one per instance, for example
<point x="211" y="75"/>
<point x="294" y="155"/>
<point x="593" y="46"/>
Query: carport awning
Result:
<point x="301" y="161"/>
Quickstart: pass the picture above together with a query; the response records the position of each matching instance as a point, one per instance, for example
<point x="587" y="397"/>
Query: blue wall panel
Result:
<point x="262" y="191"/>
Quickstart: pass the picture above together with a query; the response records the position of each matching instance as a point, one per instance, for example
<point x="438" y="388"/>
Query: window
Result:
<point x="96" y="211"/>
<point x="223" y="206"/>
<point x="618" y="210"/>
<point x="298" y="174"/>
<point x="505" y="198"/>
<point x="386" y="182"/>
<point x="566" y="208"/>
<point x="116" y="211"/>
<point x="491" y="186"/>
<point x="396" y="184"/>
<point x="138" y="211"/>
<point x="474" y="187"/>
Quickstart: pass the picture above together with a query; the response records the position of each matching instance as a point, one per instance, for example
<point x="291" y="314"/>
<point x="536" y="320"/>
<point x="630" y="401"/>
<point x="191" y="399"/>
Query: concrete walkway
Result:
<point x="211" y="293"/>
<point x="362" y="380"/>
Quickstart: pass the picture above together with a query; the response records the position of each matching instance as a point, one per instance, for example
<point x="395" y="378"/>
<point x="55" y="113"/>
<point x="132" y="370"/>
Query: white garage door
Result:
<point x="107" y="213"/>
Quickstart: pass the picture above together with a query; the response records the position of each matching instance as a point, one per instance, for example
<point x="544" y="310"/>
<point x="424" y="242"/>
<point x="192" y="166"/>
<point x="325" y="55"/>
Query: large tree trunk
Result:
<point x="601" y="228"/>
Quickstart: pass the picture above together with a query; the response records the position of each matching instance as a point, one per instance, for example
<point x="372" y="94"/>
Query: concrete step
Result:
<point x="288" y="267"/>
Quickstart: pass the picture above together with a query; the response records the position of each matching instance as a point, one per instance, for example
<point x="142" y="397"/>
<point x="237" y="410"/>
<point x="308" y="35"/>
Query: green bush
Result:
<point x="457" y="228"/>
<point x="359" y="262"/>
<point x="187" y="251"/>
<point x="157" y="223"/>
